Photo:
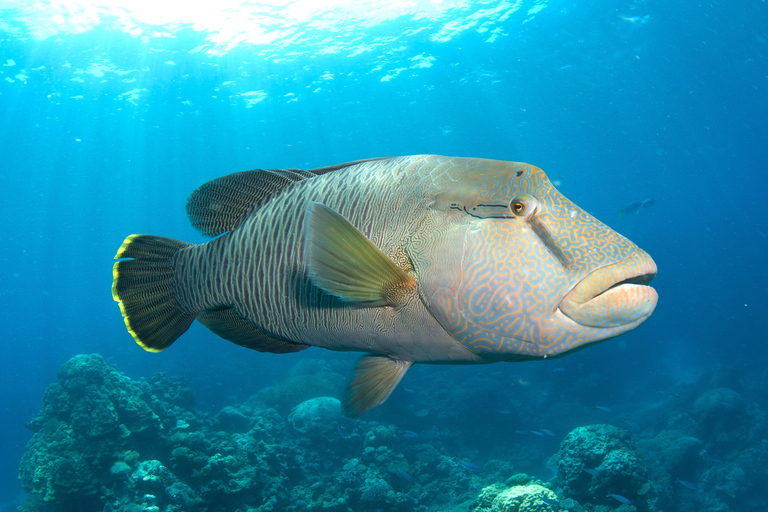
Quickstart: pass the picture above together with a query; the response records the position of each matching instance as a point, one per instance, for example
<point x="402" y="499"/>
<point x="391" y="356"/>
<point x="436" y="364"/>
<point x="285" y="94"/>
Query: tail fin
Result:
<point x="144" y="288"/>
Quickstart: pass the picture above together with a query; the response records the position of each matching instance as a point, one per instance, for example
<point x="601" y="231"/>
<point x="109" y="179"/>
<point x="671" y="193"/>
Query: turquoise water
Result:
<point x="110" y="115"/>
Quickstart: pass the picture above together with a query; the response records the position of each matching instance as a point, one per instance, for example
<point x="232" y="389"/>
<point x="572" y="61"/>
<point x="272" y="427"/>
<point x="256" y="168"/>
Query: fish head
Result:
<point x="514" y="270"/>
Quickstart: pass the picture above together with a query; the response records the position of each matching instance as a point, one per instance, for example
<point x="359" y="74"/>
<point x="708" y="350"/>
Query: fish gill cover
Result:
<point x="112" y="113"/>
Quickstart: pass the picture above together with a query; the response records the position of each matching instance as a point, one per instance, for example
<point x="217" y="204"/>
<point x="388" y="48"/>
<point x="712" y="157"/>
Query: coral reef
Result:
<point x="671" y="453"/>
<point x="103" y="442"/>
<point x="710" y="453"/>
<point x="297" y="389"/>
<point x="598" y="460"/>
<point x="88" y="415"/>
<point x="317" y="415"/>
<point x="532" y="497"/>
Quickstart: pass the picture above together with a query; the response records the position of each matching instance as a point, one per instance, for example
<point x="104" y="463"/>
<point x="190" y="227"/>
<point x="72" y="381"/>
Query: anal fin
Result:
<point x="373" y="382"/>
<point x="228" y="324"/>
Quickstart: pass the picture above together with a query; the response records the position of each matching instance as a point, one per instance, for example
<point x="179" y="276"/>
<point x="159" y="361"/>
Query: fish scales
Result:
<point x="424" y="259"/>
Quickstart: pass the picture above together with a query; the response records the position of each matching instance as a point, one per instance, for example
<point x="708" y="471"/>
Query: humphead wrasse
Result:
<point x="416" y="259"/>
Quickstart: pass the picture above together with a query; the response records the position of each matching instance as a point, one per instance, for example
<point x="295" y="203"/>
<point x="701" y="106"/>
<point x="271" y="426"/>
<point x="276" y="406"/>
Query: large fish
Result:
<point x="416" y="259"/>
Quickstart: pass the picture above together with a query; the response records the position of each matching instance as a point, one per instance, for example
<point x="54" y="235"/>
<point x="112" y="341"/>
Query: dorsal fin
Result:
<point x="217" y="206"/>
<point x="330" y="168"/>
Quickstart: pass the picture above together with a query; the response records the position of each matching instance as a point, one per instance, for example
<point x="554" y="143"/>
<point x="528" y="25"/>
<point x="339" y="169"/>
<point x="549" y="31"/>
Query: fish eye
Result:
<point x="523" y="205"/>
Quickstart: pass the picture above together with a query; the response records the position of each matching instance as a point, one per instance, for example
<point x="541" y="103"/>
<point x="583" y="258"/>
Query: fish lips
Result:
<point x="614" y="296"/>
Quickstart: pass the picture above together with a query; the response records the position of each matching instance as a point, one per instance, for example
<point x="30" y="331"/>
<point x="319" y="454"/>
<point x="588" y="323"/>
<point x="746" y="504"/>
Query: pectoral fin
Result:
<point x="373" y="382"/>
<point x="344" y="263"/>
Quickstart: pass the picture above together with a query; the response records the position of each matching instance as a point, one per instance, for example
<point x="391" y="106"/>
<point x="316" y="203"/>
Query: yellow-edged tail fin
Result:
<point x="143" y="286"/>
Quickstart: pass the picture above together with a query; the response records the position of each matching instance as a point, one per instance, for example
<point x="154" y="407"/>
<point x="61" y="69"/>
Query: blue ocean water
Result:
<point x="111" y="114"/>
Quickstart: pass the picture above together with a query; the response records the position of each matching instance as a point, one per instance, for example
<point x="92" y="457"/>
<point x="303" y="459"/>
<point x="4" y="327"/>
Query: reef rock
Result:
<point x="316" y="415"/>
<point x="519" y="498"/>
<point x="231" y="419"/>
<point x="598" y="460"/>
<point x="296" y="389"/>
<point x="673" y="454"/>
<point x="106" y="443"/>
<point x="721" y="415"/>
<point x="84" y="454"/>
<point x="716" y="402"/>
<point x="88" y="415"/>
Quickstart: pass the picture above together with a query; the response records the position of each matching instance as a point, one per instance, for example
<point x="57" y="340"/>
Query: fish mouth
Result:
<point x="615" y="295"/>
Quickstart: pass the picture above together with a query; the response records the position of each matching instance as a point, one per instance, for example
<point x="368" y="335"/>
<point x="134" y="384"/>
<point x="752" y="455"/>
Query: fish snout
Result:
<point x="615" y="295"/>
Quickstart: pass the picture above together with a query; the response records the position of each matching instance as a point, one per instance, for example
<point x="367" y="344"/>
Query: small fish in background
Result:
<point x="405" y="476"/>
<point x="619" y="498"/>
<point x="726" y="404"/>
<point x="631" y="208"/>
<point x="503" y="411"/>
<point x="641" y="20"/>
<point x="710" y="458"/>
<point x="469" y="465"/>
<point x="636" y="206"/>
<point x="632" y="424"/>
<point x="552" y="502"/>
<point x="559" y="369"/>
<point x="537" y="433"/>
<point x="408" y="390"/>
<point x="410" y="434"/>
<point x="603" y="408"/>
<point x="649" y="202"/>
<point x="591" y="471"/>
<point x="522" y="432"/>
<point x="688" y="485"/>
<point x="547" y="432"/>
